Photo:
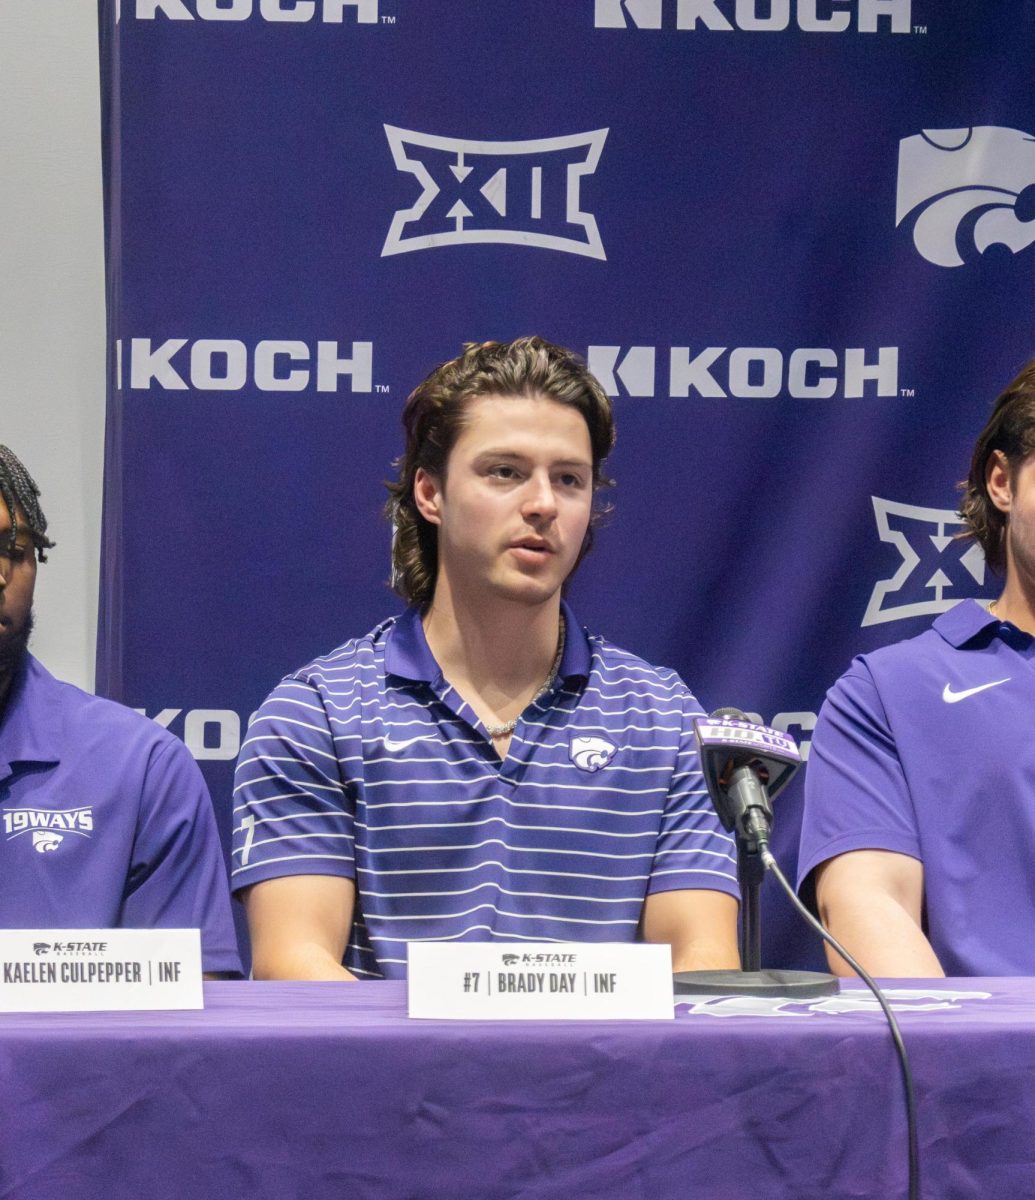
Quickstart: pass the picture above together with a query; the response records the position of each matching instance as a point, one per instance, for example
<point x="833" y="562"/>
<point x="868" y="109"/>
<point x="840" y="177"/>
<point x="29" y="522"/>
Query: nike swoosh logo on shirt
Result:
<point x="392" y="744"/>
<point x="951" y="697"/>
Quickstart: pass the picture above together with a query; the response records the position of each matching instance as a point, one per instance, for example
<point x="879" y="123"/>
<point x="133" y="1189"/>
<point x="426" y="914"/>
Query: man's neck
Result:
<point x="497" y="652"/>
<point x="1017" y="603"/>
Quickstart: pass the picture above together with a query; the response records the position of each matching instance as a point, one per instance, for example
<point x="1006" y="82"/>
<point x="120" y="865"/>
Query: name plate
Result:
<point x="96" y="970"/>
<point x="530" y="981"/>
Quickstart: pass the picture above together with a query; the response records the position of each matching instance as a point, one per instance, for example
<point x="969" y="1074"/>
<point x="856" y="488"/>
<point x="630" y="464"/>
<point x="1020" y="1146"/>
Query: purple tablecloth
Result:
<point x="322" y="1090"/>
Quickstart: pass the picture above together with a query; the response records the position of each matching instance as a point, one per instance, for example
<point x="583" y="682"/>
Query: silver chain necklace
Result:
<point x="508" y="727"/>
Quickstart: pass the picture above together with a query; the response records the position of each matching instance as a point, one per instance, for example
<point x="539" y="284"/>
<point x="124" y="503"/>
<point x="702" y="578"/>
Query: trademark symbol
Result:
<point x="389" y="20"/>
<point x="920" y="29"/>
<point x="383" y="388"/>
<point x="907" y="393"/>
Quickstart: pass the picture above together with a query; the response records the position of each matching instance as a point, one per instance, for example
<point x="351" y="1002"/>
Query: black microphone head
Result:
<point x="727" y="740"/>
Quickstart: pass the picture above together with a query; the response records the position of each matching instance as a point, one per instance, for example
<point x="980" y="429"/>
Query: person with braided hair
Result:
<point x="105" y="821"/>
<point x="481" y="767"/>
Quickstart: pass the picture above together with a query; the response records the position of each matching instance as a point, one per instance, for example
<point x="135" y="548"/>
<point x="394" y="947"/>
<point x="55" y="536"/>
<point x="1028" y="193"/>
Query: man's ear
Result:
<point x="427" y="495"/>
<point x="998" y="481"/>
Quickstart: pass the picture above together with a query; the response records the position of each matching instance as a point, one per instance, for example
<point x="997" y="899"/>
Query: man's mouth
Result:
<point x="536" y="545"/>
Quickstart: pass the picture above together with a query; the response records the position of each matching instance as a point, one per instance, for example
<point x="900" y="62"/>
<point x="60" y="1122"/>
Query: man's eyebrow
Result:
<point x="517" y="456"/>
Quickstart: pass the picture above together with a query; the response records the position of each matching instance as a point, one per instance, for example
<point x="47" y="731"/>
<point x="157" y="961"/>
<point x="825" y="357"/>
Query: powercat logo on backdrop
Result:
<point x="747" y="372"/>
<point x="228" y="365"/>
<point x="524" y="193"/>
<point x="968" y="189"/>
<point x="937" y="569"/>
<point x="332" y="12"/>
<point x="758" y="16"/>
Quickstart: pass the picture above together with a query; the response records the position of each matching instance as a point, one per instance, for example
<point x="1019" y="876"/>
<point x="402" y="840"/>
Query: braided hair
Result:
<point x="19" y="490"/>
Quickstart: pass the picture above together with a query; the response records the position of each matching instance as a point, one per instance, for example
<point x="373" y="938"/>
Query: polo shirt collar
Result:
<point x="31" y="722"/>
<point x="408" y="655"/>
<point x="966" y="622"/>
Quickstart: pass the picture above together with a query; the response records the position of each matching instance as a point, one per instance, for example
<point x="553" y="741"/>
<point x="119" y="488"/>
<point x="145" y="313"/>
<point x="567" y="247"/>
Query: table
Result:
<point x="322" y="1091"/>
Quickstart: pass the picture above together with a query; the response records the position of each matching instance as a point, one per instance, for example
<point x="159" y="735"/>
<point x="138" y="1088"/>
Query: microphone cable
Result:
<point x="771" y="864"/>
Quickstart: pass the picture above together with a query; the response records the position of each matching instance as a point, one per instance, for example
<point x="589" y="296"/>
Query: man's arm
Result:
<point x="700" y="925"/>
<point x="177" y="877"/>
<point x="871" y="901"/>
<point x="299" y="926"/>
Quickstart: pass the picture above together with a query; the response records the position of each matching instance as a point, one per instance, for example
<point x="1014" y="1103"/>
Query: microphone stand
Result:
<point x="752" y="980"/>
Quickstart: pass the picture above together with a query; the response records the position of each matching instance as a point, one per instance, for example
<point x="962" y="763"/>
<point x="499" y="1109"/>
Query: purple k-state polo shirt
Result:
<point x="927" y="748"/>
<point x="105" y="821"/>
<point x="367" y="764"/>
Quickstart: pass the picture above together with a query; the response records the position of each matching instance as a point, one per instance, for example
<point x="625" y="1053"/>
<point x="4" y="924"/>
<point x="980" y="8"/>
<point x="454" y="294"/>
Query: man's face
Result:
<point x="17" y="581"/>
<point x="514" y="507"/>
<point x="1013" y="492"/>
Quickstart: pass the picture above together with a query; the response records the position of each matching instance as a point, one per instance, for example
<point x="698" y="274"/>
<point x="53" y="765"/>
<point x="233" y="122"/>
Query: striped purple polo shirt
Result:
<point x="367" y="764"/>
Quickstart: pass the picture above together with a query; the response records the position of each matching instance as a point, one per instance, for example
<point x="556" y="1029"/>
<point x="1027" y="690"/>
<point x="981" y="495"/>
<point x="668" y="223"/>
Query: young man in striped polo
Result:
<point x="482" y="768"/>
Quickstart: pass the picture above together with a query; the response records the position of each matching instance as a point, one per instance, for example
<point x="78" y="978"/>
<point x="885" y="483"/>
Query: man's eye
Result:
<point x="571" y="480"/>
<point x="503" y="471"/>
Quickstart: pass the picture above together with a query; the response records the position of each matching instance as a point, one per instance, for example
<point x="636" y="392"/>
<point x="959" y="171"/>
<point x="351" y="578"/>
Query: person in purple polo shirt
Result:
<point x="919" y="821"/>
<point x="481" y="767"/>
<point x="105" y="821"/>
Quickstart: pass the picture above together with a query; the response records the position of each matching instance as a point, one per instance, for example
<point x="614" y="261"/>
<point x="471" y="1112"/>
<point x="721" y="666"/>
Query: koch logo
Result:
<point x="747" y="372"/>
<point x="227" y="365"/>
<point x="209" y="733"/>
<point x="47" y="826"/>
<point x="969" y="189"/>
<point x="937" y="569"/>
<point x="759" y="16"/>
<point x="332" y="12"/>
<point x="525" y="193"/>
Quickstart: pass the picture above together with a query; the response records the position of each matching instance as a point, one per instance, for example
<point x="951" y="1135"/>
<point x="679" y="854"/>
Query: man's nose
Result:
<point x="540" y="500"/>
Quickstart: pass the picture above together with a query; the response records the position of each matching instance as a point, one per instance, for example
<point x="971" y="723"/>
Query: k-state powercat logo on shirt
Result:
<point x="49" y="827"/>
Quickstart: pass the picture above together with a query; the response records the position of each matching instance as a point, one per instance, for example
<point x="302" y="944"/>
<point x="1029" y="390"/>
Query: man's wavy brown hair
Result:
<point x="434" y="417"/>
<point x="1010" y="429"/>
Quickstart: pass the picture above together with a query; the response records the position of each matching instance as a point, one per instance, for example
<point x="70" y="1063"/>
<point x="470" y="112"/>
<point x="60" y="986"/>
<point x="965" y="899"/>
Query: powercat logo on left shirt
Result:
<point x="48" y="826"/>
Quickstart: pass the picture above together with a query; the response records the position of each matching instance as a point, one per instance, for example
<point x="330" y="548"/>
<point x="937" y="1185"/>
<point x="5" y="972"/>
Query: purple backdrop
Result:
<point x="802" y="302"/>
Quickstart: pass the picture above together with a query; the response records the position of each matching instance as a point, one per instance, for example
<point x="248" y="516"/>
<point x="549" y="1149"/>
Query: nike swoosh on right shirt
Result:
<point x="951" y="697"/>
<point x="392" y="744"/>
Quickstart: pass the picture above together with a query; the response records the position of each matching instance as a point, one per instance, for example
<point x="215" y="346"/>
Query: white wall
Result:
<point x="52" y="303"/>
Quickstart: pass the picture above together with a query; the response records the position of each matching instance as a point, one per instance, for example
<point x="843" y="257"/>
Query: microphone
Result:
<point x="744" y="767"/>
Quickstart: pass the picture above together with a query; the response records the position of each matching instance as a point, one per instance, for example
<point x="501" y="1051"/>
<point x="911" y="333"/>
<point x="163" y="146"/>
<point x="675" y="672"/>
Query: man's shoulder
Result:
<point x="77" y="716"/>
<point x="955" y="631"/>
<point x="346" y="664"/>
<point x="54" y="720"/>
<point x="616" y="668"/>
<point x="899" y="683"/>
